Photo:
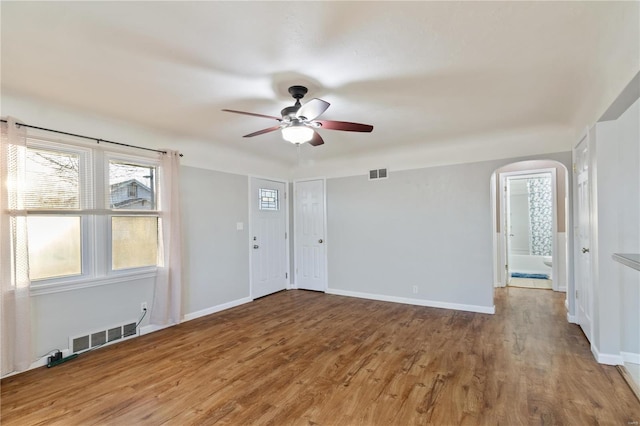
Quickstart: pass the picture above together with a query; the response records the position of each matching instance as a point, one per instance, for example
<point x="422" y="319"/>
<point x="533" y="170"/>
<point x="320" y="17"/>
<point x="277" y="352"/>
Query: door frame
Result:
<point x="250" y="226"/>
<point x="504" y="177"/>
<point x="295" y="230"/>
<point x="588" y="138"/>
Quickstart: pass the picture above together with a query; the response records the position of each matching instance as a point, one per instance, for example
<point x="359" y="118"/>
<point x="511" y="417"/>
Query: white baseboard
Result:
<point x="572" y="318"/>
<point x="40" y="362"/>
<point x="608" y="359"/>
<point x="217" y="308"/>
<point x="418" y="302"/>
<point x="153" y="327"/>
<point x="630" y="357"/>
<point x="562" y="289"/>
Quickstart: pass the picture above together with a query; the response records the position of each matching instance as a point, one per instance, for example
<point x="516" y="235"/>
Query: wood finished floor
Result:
<point x="305" y="358"/>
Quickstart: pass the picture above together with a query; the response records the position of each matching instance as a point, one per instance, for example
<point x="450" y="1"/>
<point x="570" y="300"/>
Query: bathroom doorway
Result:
<point x="527" y="178"/>
<point x="529" y="221"/>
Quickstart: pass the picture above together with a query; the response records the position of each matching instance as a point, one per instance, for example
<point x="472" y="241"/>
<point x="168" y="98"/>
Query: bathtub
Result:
<point x="528" y="264"/>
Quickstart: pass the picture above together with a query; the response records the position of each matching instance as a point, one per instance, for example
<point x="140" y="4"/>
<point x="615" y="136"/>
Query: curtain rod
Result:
<point x="98" y="140"/>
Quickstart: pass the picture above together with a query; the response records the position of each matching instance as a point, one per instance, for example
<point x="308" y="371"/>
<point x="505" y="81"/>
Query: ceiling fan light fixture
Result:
<point x="297" y="133"/>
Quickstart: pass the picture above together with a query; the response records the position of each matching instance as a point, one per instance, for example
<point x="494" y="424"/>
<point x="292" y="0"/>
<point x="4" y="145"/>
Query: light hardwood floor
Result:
<point x="305" y="358"/>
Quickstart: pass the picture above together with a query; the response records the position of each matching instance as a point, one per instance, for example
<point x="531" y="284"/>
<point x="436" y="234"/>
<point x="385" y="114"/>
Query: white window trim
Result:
<point x="63" y="286"/>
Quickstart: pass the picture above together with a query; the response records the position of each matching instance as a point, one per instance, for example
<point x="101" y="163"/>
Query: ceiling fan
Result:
<point x="298" y="122"/>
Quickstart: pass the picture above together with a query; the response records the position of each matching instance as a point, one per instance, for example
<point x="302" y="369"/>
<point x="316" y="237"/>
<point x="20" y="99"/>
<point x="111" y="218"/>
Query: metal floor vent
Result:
<point x="102" y="337"/>
<point x="378" y="174"/>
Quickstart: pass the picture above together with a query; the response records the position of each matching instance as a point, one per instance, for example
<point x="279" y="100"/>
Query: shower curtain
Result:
<point x="540" y="215"/>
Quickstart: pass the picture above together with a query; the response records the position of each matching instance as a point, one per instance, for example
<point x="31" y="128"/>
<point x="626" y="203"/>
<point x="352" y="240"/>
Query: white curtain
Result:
<point x="15" y="303"/>
<point x="167" y="300"/>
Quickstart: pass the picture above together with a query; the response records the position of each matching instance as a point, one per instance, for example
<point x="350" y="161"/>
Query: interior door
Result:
<point x="583" y="290"/>
<point x="268" y="237"/>
<point x="507" y="229"/>
<point x="310" y="235"/>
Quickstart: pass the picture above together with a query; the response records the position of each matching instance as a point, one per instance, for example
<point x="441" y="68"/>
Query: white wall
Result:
<point x="215" y="252"/>
<point x="429" y="227"/>
<point x="617" y="288"/>
<point x="58" y="316"/>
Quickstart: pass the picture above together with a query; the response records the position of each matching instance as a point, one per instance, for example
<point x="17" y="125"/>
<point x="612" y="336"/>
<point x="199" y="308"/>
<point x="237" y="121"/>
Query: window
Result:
<point x="91" y="213"/>
<point x="268" y="199"/>
<point x="131" y="186"/>
<point x="53" y="199"/>
<point x="55" y="246"/>
<point x="133" y="190"/>
<point x="134" y="239"/>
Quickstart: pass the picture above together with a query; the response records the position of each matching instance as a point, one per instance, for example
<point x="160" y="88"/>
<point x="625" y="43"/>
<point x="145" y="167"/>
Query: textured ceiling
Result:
<point x="420" y="72"/>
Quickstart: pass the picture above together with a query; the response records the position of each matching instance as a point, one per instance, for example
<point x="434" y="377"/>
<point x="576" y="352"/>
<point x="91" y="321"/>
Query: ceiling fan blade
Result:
<point x="316" y="139"/>
<point x="345" y="125"/>
<point x="263" y="131"/>
<point x="253" y="114"/>
<point x="312" y="109"/>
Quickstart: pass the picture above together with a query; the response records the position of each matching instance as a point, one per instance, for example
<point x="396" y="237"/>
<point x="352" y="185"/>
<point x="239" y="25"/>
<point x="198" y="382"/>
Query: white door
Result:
<point x="583" y="290"/>
<point x="310" y="235"/>
<point x="268" y="237"/>
<point x="507" y="229"/>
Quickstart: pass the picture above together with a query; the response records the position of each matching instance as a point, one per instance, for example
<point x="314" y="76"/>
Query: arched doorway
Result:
<point x="537" y="260"/>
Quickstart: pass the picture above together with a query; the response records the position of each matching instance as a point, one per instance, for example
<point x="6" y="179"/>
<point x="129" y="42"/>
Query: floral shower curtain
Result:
<point x="540" y="215"/>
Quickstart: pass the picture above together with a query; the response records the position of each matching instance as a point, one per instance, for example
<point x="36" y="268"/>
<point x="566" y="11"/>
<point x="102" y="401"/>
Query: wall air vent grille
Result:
<point x="102" y="337"/>
<point x="378" y="174"/>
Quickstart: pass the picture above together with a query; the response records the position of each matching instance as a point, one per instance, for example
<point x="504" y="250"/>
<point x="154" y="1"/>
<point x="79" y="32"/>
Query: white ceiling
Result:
<point x="421" y="72"/>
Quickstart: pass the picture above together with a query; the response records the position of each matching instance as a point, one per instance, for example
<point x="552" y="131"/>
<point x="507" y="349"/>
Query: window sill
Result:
<point x="37" y="290"/>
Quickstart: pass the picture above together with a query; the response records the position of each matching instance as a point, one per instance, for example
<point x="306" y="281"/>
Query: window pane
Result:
<point x="132" y="186"/>
<point x="52" y="180"/>
<point x="134" y="241"/>
<point x="268" y="199"/>
<point x="55" y="247"/>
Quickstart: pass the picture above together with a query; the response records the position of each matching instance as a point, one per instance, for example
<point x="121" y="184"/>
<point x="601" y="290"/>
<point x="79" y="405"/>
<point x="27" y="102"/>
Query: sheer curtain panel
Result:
<point x="167" y="300"/>
<point x="15" y="301"/>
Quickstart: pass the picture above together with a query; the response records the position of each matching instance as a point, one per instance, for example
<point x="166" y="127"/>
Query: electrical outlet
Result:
<point x="143" y="306"/>
<point x="415" y="289"/>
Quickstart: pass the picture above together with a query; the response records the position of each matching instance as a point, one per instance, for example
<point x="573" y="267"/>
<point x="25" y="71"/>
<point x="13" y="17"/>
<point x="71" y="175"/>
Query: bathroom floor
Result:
<point x="531" y="283"/>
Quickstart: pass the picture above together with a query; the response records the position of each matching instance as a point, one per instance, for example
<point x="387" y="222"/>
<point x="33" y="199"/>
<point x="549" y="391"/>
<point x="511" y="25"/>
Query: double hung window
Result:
<point x="92" y="214"/>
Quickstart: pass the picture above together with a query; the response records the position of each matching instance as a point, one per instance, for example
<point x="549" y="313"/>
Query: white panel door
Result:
<point x="310" y="235"/>
<point x="268" y="237"/>
<point x="584" y="291"/>
<point x="507" y="229"/>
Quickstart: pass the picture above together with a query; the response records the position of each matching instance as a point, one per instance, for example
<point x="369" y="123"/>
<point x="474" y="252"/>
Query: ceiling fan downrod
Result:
<point x="297" y="92"/>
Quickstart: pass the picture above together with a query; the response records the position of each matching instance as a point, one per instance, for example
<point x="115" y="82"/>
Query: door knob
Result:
<point x="320" y="240"/>
<point x="255" y="246"/>
<point x="585" y="250"/>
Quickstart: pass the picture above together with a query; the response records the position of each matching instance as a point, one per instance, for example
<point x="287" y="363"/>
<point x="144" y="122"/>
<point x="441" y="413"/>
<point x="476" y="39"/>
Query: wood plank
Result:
<point x="302" y="357"/>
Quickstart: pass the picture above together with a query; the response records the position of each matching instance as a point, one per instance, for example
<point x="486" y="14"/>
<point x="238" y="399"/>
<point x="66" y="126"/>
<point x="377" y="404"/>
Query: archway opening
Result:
<point x="534" y="254"/>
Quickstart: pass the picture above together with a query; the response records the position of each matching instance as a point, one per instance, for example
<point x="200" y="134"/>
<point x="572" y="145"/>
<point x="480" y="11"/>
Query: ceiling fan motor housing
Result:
<point x="290" y="111"/>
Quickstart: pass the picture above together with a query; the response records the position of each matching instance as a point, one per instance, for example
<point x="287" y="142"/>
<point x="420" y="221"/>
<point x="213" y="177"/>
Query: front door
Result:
<point x="268" y="237"/>
<point x="583" y="290"/>
<point x="310" y="235"/>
